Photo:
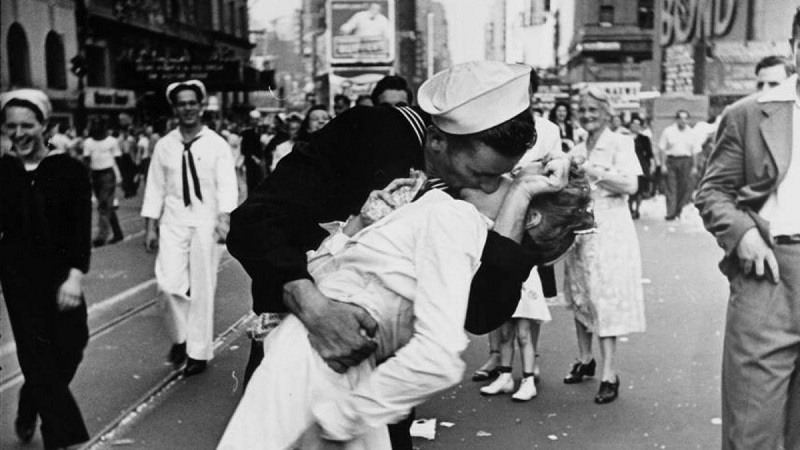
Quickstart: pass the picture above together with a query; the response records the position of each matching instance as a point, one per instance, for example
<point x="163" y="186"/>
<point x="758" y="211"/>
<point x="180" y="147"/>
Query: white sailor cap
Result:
<point x="34" y="97"/>
<point x="475" y="96"/>
<point x="195" y="85"/>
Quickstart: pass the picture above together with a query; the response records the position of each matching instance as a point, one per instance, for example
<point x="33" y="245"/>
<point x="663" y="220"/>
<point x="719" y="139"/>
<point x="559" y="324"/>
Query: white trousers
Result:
<point x="186" y="272"/>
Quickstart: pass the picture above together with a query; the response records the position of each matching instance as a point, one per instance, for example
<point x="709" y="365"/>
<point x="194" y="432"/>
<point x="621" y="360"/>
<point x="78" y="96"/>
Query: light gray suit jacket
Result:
<point x="752" y="152"/>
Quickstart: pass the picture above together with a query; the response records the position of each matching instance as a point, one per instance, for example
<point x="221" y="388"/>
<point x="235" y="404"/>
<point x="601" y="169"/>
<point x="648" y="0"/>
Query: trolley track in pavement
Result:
<point x="16" y="377"/>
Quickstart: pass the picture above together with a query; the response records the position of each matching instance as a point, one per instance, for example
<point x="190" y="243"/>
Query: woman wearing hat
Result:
<point x="602" y="281"/>
<point x="44" y="252"/>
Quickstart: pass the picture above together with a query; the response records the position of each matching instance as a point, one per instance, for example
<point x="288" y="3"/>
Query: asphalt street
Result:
<point x="670" y="375"/>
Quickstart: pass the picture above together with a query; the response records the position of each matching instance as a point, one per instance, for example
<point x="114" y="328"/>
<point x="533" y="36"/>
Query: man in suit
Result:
<point x="749" y="202"/>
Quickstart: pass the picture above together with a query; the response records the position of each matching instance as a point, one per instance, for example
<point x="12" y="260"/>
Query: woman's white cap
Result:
<point x="195" y="85"/>
<point x="475" y="96"/>
<point x="33" y="96"/>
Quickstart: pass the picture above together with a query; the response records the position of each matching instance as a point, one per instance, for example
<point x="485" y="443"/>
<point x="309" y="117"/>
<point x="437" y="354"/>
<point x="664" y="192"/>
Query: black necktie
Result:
<point x="187" y="155"/>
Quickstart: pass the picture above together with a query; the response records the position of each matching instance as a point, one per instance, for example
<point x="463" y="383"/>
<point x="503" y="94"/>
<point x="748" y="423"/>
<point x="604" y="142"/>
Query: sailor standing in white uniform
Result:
<point x="191" y="190"/>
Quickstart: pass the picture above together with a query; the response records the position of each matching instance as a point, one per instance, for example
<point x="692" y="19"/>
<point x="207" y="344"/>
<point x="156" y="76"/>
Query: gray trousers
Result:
<point x="679" y="183"/>
<point x="761" y="359"/>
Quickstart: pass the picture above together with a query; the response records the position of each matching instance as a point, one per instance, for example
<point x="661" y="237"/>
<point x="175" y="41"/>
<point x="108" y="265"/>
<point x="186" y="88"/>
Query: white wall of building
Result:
<point x="37" y="18"/>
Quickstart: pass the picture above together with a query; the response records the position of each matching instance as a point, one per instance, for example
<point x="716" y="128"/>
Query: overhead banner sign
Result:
<point x="361" y="32"/>
<point x="215" y="74"/>
<point x="623" y="94"/>
<point x="103" y="98"/>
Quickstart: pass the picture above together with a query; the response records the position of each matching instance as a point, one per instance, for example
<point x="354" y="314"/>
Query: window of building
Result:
<point x="646" y="14"/>
<point x="96" y="67"/>
<point x="19" y="65"/>
<point x="243" y="21"/>
<point x="606" y="17"/>
<point x="55" y="61"/>
<point x="175" y="9"/>
<point x="232" y="18"/>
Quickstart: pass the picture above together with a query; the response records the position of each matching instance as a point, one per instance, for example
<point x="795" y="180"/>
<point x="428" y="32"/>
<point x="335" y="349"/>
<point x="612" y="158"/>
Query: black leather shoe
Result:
<point x="177" y="354"/>
<point x="579" y="371"/>
<point x="485" y="375"/>
<point x="25" y="430"/>
<point x="116" y="239"/>
<point x="608" y="392"/>
<point x="194" y="366"/>
<point x="98" y="243"/>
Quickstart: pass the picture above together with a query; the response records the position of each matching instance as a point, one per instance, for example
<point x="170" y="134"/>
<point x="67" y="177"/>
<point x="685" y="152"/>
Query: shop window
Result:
<point x="55" y="61"/>
<point x="646" y="14"/>
<point x="19" y="63"/>
<point x="606" y="17"/>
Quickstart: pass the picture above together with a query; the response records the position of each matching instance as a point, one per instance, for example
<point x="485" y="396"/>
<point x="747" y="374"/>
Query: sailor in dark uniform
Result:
<point x="476" y="128"/>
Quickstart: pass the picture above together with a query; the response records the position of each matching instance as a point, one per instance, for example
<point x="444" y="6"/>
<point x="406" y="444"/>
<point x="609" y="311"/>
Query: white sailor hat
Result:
<point x="35" y="97"/>
<point x="475" y="96"/>
<point x="195" y="85"/>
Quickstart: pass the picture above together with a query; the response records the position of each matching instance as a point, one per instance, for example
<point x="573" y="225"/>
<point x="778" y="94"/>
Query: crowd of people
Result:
<point x="378" y="235"/>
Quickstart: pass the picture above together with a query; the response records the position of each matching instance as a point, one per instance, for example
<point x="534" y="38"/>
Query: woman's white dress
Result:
<point x="532" y="304"/>
<point x="603" y="271"/>
<point x="411" y="271"/>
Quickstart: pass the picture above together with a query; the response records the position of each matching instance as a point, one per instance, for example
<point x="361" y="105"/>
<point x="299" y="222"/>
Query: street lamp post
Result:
<point x="79" y="62"/>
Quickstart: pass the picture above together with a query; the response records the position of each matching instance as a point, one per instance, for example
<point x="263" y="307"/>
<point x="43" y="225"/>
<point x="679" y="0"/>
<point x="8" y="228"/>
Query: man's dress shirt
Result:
<point x="163" y="195"/>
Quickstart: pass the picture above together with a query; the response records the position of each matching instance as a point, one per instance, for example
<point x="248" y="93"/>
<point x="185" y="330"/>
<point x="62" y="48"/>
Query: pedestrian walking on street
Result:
<point x="191" y="190"/>
<point x="644" y="152"/>
<point x="102" y="150"/>
<point x="44" y="253"/>
<point x="603" y="273"/>
<point x="748" y="201"/>
<point x="363" y="150"/>
<point x="677" y="148"/>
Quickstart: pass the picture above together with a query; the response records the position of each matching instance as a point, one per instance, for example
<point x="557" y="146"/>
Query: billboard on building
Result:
<point x="361" y="31"/>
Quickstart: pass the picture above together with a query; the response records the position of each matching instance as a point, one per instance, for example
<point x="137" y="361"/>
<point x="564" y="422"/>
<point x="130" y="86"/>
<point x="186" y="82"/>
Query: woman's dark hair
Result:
<point x="511" y="138"/>
<point x="565" y="214"/>
<point x="305" y="135"/>
<point x="98" y="130"/>
<point x="18" y="102"/>
<point x="393" y="83"/>
<point x="552" y="115"/>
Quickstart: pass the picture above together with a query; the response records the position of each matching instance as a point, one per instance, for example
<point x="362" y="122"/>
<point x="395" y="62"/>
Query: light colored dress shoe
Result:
<point x="526" y="391"/>
<point x="504" y="384"/>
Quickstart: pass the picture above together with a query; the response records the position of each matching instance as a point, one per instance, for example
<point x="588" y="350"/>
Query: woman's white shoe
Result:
<point x="504" y="384"/>
<point x="526" y="391"/>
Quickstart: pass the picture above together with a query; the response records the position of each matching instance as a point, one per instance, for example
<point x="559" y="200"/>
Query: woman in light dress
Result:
<point x="602" y="282"/>
<point x="410" y="270"/>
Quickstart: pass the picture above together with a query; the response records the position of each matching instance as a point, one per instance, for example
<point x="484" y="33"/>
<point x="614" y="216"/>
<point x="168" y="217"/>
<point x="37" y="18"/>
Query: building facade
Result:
<point x="612" y="41"/>
<point x="38" y="40"/>
<point x="137" y="48"/>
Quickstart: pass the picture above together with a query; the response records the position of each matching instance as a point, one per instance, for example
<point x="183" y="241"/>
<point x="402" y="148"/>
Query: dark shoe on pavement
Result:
<point x="25" y="429"/>
<point x="98" y="243"/>
<point x="116" y="239"/>
<point x="485" y="375"/>
<point x="194" y="366"/>
<point x="608" y="392"/>
<point x="670" y="218"/>
<point x="579" y="371"/>
<point x="177" y="354"/>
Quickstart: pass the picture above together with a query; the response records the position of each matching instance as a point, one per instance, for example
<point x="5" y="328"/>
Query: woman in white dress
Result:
<point x="524" y="325"/>
<point x="602" y="277"/>
<point x="410" y="270"/>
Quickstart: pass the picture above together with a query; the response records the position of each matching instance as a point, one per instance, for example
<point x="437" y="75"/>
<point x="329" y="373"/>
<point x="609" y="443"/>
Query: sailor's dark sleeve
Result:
<point x="497" y="285"/>
<point x="271" y="231"/>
